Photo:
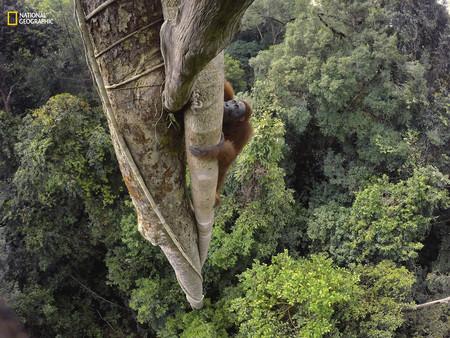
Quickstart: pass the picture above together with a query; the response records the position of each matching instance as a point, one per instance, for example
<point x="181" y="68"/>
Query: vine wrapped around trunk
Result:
<point x="124" y="56"/>
<point x="122" y="42"/>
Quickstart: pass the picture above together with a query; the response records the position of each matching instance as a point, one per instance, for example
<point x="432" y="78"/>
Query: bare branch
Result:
<point x="95" y="294"/>
<point x="445" y="300"/>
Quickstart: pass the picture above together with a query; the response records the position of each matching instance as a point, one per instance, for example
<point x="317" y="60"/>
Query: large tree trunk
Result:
<point x="195" y="32"/>
<point x="123" y="50"/>
<point x="203" y="126"/>
<point x="122" y="45"/>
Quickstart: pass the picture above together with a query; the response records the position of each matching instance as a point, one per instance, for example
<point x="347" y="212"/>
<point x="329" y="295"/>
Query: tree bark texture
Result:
<point x="123" y="50"/>
<point x="203" y="126"/>
<point x="192" y="36"/>
<point x="122" y="41"/>
<point x="196" y="33"/>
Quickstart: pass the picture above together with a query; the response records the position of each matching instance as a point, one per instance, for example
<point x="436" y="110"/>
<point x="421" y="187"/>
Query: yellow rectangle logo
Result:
<point x="13" y="18"/>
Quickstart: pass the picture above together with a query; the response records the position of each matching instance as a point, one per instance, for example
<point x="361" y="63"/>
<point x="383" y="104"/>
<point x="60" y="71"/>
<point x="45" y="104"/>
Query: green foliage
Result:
<point x="144" y="299"/>
<point x="269" y="18"/>
<point x="361" y="87"/>
<point x="281" y="301"/>
<point x="210" y="321"/>
<point x="428" y="323"/>
<point x="347" y="163"/>
<point x="349" y="73"/>
<point x="386" y="292"/>
<point x="242" y="51"/>
<point x="258" y="204"/>
<point x="312" y="298"/>
<point x="234" y="73"/>
<point x="386" y="220"/>
<point x="256" y="213"/>
<point x="431" y="321"/>
<point x="142" y="274"/>
<point x="61" y="215"/>
<point x="264" y="24"/>
<point x="8" y="127"/>
<point x="38" y="61"/>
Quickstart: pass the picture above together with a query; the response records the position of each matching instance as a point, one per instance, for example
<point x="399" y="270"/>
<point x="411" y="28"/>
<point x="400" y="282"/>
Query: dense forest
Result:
<point x="335" y="219"/>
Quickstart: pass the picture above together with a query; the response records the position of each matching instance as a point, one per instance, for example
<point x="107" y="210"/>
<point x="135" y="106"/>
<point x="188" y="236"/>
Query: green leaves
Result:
<point x="347" y="163"/>
<point x="386" y="295"/>
<point x="260" y="205"/>
<point x="234" y="73"/>
<point x="8" y="130"/>
<point x="292" y="298"/>
<point x="386" y="220"/>
<point x="144" y="300"/>
<point x="65" y="208"/>
<point x="312" y="298"/>
<point x="346" y="75"/>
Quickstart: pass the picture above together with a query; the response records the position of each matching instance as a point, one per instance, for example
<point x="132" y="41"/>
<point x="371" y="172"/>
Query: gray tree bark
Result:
<point x="199" y="31"/>
<point x="130" y="76"/>
<point x="122" y="42"/>
<point x="203" y="126"/>
<point x="195" y="32"/>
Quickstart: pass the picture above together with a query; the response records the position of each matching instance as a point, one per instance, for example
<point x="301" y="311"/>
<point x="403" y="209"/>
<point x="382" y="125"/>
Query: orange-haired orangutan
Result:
<point x="236" y="133"/>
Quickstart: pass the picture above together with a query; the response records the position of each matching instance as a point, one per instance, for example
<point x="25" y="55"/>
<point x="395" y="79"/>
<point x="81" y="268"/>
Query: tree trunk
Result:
<point x="203" y="126"/>
<point x="200" y="30"/>
<point x="6" y="99"/>
<point x="122" y="46"/>
<point x="195" y="32"/>
<point x="123" y="50"/>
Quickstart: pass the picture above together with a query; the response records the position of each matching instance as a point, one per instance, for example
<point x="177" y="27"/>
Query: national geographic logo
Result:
<point x="12" y="18"/>
<point x="15" y="18"/>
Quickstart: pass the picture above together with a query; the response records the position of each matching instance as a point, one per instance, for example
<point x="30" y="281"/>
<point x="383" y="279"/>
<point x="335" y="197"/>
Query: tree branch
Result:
<point x="445" y="300"/>
<point x="8" y="98"/>
<point x="200" y="31"/>
<point x="95" y="294"/>
<point x="203" y="126"/>
<point x="277" y="20"/>
<point x="333" y="30"/>
<point x="337" y="18"/>
<point x="193" y="34"/>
